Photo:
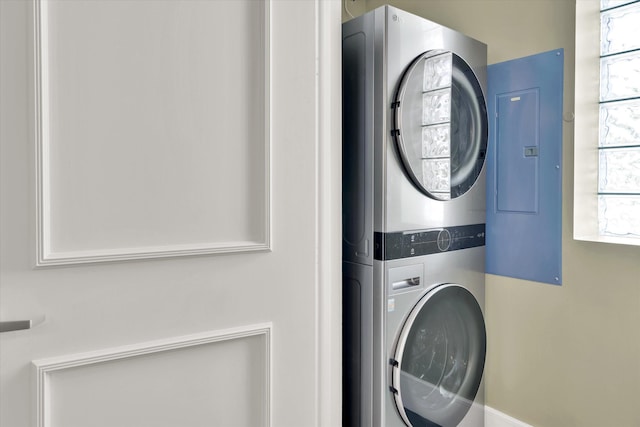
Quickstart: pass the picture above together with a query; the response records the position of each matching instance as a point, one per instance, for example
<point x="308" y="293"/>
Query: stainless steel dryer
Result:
<point x="414" y="143"/>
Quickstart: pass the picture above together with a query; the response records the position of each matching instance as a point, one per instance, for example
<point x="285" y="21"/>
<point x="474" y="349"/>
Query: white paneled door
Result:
<point x="170" y="213"/>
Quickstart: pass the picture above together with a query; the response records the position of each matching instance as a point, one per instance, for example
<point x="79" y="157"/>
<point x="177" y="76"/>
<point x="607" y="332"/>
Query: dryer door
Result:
<point x="440" y="124"/>
<point x="439" y="358"/>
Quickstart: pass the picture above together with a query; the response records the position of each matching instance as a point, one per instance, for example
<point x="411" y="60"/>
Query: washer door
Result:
<point x="439" y="358"/>
<point x="440" y="124"/>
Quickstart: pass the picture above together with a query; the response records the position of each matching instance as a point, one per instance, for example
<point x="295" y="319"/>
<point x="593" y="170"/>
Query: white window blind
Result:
<point x="619" y="119"/>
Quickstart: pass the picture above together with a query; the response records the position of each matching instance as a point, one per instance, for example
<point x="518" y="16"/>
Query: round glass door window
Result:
<point x="440" y="124"/>
<point x="439" y="358"/>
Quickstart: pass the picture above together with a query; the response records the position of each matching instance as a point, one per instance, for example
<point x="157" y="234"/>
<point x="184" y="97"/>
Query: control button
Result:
<point x="444" y="240"/>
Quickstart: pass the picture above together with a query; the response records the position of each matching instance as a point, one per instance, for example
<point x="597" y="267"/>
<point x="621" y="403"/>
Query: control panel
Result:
<point x="408" y="244"/>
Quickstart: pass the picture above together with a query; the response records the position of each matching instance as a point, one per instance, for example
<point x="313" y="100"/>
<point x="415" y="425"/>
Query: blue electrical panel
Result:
<point x="524" y="168"/>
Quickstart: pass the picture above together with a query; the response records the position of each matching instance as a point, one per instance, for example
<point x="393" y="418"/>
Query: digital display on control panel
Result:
<point x="408" y="244"/>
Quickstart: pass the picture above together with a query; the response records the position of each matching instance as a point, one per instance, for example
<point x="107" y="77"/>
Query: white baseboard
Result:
<point x="495" y="418"/>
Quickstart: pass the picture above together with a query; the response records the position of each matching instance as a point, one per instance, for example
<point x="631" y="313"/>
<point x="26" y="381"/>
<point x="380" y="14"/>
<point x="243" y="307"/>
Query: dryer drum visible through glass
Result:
<point x="439" y="358"/>
<point x="440" y="124"/>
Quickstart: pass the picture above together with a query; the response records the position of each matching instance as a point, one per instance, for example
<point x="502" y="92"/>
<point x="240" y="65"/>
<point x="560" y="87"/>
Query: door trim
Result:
<point x="43" y="368"/>
<point x="45" y="255"/>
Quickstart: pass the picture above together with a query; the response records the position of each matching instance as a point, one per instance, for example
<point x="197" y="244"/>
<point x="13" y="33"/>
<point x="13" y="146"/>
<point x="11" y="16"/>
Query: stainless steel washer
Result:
<point x="414" y="144"/>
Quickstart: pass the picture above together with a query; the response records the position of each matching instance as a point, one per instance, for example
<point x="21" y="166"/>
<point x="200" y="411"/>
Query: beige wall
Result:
<point x="565" y="355"/>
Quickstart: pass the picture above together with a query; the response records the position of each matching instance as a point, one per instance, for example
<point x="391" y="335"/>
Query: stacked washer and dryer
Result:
<point x="414" y="144"/>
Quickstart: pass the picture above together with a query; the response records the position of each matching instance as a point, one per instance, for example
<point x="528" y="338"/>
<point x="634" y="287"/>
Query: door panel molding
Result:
<point x="46" y="371"/>
<point x="223" y="205"/>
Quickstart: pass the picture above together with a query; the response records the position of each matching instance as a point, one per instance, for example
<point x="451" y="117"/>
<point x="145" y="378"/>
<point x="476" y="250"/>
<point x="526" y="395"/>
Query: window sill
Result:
<point x="630" y="241"/>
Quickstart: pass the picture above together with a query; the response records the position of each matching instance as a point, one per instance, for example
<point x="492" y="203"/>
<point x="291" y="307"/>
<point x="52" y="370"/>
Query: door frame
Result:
<point x="328" y="141"/>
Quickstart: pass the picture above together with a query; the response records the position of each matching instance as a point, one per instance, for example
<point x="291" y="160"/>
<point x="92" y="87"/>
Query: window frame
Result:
<point x="586" y="126"/>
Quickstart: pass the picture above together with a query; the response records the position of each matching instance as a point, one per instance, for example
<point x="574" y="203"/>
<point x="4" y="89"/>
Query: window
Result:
<point x="619" y="137"/>
<point x="607" y="128"/>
